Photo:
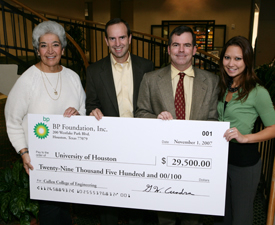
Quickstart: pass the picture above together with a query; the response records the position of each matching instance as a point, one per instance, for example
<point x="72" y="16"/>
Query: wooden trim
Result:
<point x="271" y="205"/>
<point x="2" y="96"/>
<point x="208" y="54"/>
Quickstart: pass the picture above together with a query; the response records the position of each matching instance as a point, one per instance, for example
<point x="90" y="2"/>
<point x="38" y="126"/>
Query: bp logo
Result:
<point x="41" y="130"/>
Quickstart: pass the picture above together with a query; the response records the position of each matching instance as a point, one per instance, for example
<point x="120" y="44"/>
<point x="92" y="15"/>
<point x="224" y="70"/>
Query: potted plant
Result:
<point x="15" y="202"/>
<point x="266" y="73"/>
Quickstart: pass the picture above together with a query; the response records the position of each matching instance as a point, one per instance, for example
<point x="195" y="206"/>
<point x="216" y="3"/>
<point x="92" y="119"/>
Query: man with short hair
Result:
<point x="113" y="82"/>
<point x="179" y="91"/>
<point x="112" y="90"/>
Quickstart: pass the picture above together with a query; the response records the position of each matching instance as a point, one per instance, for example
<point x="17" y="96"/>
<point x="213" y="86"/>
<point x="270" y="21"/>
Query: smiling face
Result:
<point x="233" y="62"/>
<point x="50" y="51"/>
<point x="118" y="41"/>
<point x="182" y="50"/>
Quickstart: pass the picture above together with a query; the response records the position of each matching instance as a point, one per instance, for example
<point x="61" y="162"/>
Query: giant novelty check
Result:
<point x="177" y="166"/>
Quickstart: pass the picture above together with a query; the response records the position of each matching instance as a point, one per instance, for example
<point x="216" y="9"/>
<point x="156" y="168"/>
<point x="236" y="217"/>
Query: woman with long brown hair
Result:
<point x="241" y="101"/>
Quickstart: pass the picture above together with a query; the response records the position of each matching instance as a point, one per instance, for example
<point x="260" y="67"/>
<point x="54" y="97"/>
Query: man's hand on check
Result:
<point x="165" y="116"/>
<point x="97" y="114"/>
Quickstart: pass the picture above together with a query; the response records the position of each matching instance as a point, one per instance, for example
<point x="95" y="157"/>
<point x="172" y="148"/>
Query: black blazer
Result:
<point x="100" y="88"/>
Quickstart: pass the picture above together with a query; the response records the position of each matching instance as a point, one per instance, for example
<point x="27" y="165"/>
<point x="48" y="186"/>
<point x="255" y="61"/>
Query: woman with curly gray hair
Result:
<point x="45" y="88"/>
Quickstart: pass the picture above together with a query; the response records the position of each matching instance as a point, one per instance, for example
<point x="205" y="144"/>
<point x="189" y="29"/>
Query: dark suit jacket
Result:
<point x="156" y="95"/>
<point x="100" y="88"/>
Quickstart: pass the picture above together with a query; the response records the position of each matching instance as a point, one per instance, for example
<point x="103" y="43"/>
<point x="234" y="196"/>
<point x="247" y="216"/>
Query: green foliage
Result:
<point x="77" y="64"/>
<point x="14" y="195"/>
<point x="266" y="73"/>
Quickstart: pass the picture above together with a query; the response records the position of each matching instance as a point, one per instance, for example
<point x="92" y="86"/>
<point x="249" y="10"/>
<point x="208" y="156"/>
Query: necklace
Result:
<point x="230" y="88"/>
<point x="54" y="89"/>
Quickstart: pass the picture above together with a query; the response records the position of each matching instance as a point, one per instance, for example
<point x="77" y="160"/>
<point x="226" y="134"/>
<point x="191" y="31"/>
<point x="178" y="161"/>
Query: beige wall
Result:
<point x="74" y="8"/>
<point x="223" y="12"/>
<point x="101" y="11"/>
<point x="265" y="50"/>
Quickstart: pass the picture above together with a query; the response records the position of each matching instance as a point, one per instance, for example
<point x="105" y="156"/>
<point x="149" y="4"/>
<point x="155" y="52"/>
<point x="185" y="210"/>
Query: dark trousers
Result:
<point x="169" y="218"/>
<point x="242" y="183"/>
<point x="109" y="216"/>
<point x="54" y="213"/>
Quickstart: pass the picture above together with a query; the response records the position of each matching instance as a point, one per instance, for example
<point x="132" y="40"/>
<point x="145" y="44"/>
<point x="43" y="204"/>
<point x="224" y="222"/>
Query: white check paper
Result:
<point x="177" y="166"/>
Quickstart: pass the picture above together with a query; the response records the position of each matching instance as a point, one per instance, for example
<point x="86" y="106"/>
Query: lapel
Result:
<point x="199" y="92"/>
<point x="106" y="76"/>
<point x="165" y="89"/>
<point x="137" y="77"/>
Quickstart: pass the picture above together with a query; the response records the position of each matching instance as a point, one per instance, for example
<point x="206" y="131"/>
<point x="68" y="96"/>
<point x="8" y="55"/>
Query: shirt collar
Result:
<point x="114" y="62"/>
<point x="189" y="71"/>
